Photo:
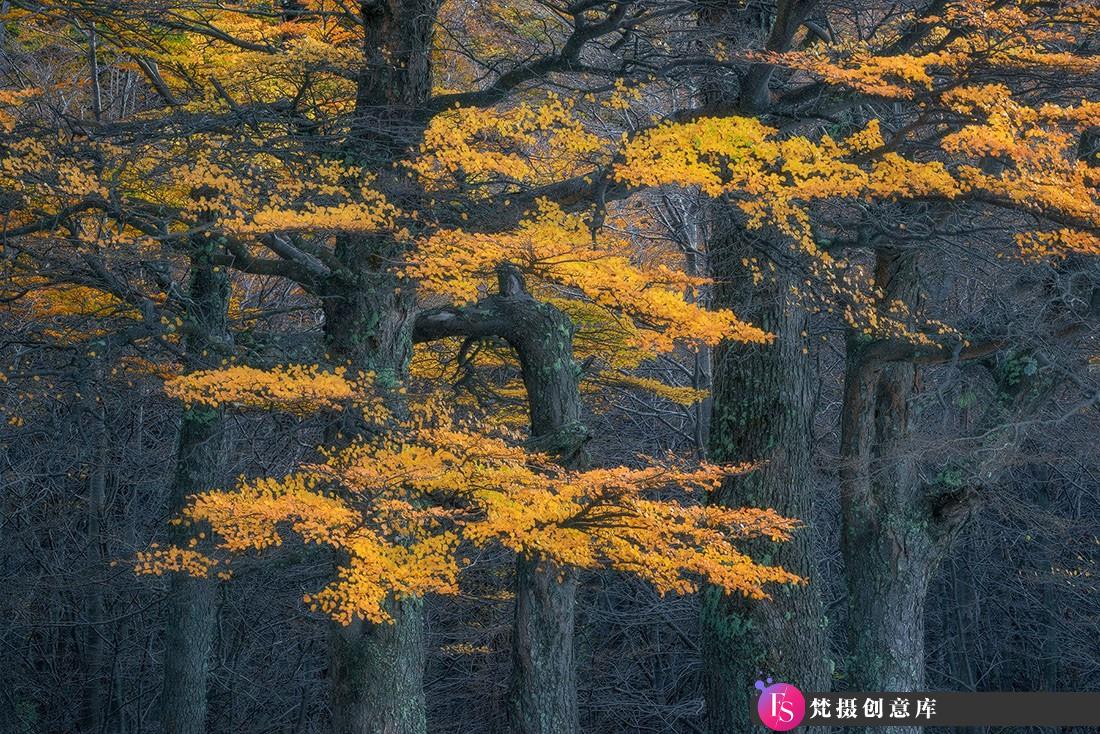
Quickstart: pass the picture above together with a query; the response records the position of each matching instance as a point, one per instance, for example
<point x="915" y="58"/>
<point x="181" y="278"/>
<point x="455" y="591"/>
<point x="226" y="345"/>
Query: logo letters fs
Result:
<point x="781" y="706"/>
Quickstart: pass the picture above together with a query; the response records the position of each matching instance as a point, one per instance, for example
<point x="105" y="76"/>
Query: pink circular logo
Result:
<point x="781" y="706"/>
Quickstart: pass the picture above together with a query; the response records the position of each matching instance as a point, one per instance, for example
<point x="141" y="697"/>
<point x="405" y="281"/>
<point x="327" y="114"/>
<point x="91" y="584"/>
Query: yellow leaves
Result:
<point x="672" y="393"/>
<point x="74" y="300"/>
<point x="252" y="517"/>
<point x="970" y="98"/>
<point x="352" y="217"/>
<point x="1058" y="243"/>
<point x="523" y="144"/>
<point x="778" y="177"/>
<point x="159" y="561"/>
<point x="981" y="36"/>
<point x="604" y="517"/>
<point x="10" y="101"/>
<point x="895" y="177"/>
<point x="249" y="517"/>
<point x="859" y="67"/>
<point x="297" y="389"/>
<point x="865" y="140"/>
<point x="710" y="153"/>
<point x="399" y="507"/>
<point x="560" y="248"/>
<point x="263" y="195"/>
<point x="378" y="570"/>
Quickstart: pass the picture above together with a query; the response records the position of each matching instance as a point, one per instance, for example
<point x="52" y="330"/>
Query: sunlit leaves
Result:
<point x="561" y="248"/>
<point x="298" y="389"/>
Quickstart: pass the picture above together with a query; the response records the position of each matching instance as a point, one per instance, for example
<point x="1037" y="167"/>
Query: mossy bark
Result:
<point x="889" y="542"/>
<point x="762" y="412"/>
<point x="543" y="689"/>
<point x="544" y="686"/>
<point x="376" y="671"/>
<point x="377" y="674"/>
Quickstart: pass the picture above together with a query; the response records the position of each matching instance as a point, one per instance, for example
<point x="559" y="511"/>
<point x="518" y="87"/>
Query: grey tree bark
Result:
<point x="762" y="411"/>
<point x="376" y="672"/>
<point x="190" y="607"/>
<point x="894" y="530"/>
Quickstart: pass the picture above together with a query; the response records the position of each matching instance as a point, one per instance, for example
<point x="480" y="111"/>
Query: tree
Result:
<point x="438" y="204"/>
<point x="348" y="93"/>
<point x="1003" y="154"/>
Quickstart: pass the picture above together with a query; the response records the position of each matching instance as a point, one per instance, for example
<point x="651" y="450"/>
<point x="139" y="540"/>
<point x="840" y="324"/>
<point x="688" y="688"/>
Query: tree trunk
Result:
<point x="544" y="678"/>
<point x="543" y="690"/>
<point x="889" y="541"/>
<point x="190" y="609"/>
<point x="762" y="411"/>
<point x="378" y="673"/>
<point x="543" y="685"/>
<point x="96" y="696"/>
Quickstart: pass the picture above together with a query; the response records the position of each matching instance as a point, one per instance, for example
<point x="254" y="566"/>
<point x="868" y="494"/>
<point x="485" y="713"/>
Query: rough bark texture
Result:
<point x="191" y="605"/>
<point x="543" y="694"/>
<point x="889" y="537"/>
<point x="762" y="411"/>
<point x="377" y="673"/>
<point x="395" y="80"/>
<point x="544" y="681"/>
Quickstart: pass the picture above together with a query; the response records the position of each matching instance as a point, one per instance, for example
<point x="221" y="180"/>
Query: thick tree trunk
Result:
<point x="544" y="679"/>
<point x="890" y="541"/>
<point x="888" y="551"/>
<point x="190" y="609"/>
<point x="378" y="673"/>
<point x="543" y="686"/>
<point x="762" y="411"/>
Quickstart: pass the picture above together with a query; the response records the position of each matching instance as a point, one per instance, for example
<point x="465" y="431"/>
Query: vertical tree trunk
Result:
<point x="190" y="609"/>
<point x="96" y="691"/>
<point x="378" y="673"/>
<point x="892" y="537"/>
<point x="543" y="685"/>
<point x="888" y="550"/>
<point x="543" y="692"/>
<point x="762" y="411"/>
<point x="544" y="679"/>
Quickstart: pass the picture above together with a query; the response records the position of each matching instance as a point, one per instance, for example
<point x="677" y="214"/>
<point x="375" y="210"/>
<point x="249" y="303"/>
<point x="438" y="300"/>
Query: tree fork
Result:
<point x="543" y="687"/>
